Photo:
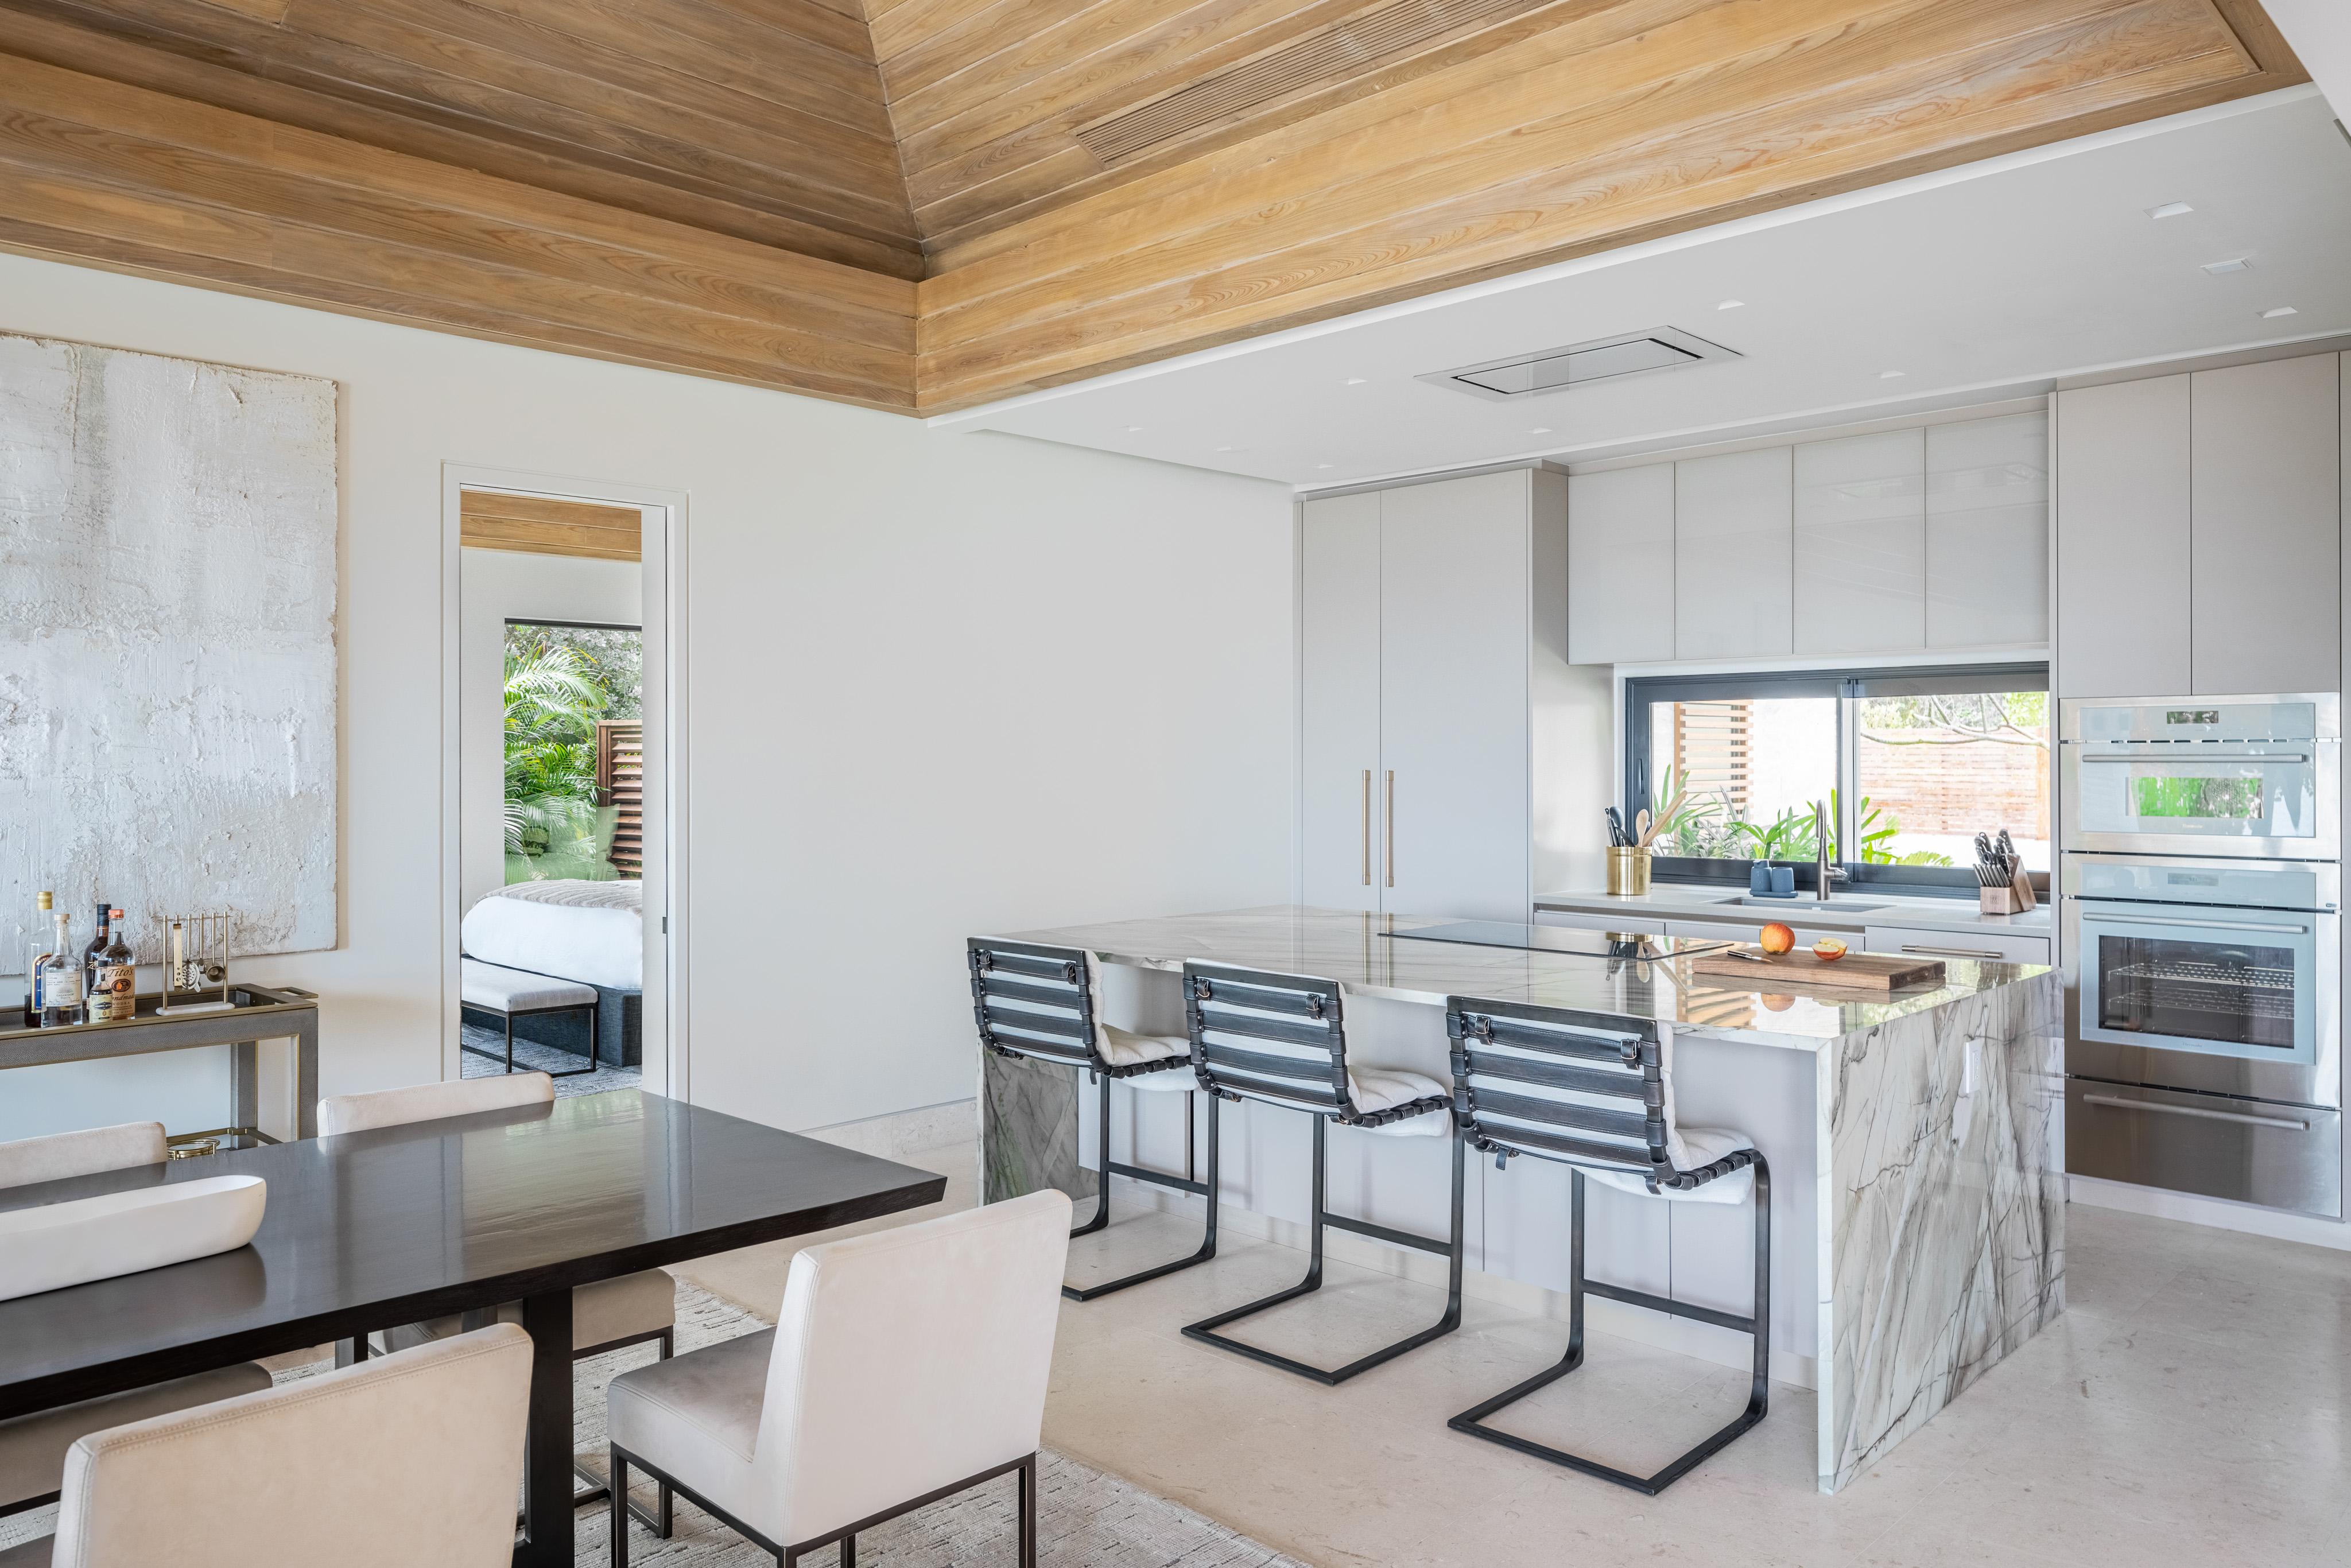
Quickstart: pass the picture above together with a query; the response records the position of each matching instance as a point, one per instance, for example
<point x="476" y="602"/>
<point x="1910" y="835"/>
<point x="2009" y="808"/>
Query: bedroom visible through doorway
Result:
<point x="555" y="752"/>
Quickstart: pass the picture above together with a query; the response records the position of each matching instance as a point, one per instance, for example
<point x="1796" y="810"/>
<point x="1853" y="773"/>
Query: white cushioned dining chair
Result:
<point x="1594" y="1092"/>
<point x="1045" y="1003"/>
<point x="904" y="1366"/>
<point x="297" y="1477"/>
<point x="611" y="1314"/>
<point x="33" y="1447"/>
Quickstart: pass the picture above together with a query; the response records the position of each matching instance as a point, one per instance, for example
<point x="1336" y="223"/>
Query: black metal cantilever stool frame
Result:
<point x="1602" y="1057"/>
<point x="1030" y="975"/>
<point x="1308" y="1014"/>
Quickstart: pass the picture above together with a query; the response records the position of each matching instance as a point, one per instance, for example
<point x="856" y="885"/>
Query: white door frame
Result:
<point x="665" y="794"/>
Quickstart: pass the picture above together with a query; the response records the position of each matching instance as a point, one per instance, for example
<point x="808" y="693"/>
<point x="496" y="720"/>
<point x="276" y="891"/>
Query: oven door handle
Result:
<point x="2174" y="761"/>
<point x="2121" y="1104"/>
<point x="2198" y="924"/>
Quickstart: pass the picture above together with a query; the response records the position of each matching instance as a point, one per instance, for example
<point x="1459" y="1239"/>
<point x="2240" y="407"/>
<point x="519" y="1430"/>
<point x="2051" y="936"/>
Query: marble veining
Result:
<point x="1949" y="1219"/>
<point x="1028" y="1129"/>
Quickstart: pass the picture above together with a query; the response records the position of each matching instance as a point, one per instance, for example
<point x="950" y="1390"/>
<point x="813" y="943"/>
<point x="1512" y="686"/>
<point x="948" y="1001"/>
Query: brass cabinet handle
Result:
<point x="1390" y="828"/>
<point x="1367" y="827"/>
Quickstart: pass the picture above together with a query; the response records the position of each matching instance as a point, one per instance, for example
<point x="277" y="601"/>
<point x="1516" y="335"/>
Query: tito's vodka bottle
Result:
<point x="115" y="996"/>
<point x="61" y="978"/>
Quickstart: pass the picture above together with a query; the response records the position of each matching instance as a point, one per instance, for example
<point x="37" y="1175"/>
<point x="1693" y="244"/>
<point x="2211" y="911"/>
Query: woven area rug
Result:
<point x="546" y="1058"/>
<point x="1086" y="1519"/>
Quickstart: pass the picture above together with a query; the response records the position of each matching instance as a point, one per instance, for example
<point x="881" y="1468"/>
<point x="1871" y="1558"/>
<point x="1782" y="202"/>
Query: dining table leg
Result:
<point x="546" y="1539"/>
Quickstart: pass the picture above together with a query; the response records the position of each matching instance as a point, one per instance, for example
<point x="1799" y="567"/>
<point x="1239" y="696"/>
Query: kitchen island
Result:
<point x="1915" y="1139"/>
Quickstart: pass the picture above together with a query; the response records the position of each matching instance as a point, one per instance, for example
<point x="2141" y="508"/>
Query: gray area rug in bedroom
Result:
<point x="1086" y="1519"/>
<point x="544" y="1058"/>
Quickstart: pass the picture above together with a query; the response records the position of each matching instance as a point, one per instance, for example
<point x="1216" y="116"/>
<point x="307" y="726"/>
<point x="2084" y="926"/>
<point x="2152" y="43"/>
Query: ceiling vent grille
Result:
<point x="1602" y="358"/>
<point x="1327" y="55"/>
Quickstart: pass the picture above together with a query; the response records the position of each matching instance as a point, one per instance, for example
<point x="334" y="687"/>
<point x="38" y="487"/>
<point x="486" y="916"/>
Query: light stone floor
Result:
<point x="2188" y="1409"/>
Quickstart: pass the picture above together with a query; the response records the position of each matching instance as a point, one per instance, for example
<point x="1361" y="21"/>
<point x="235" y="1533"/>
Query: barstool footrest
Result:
<point x="1101" y="1220"/>
<point x="1393" y="1237"/>
<point x="1669" y="1306"/>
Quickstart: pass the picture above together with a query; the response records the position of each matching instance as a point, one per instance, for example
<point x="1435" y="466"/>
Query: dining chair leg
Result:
<point x="1029" y="1512"/>
<point x="619" y="1471"/>
<point x="849" y="1552"/>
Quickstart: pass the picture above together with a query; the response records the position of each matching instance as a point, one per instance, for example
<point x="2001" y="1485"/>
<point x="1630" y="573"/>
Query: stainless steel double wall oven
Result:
<point x="2202" y="888"/>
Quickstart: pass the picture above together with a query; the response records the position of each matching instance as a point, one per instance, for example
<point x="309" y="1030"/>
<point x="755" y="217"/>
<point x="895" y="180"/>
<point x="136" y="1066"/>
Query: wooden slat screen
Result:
<point x="1712" y="750"/>
<point x="620" y="783"/>
<point x="541" y="525"/>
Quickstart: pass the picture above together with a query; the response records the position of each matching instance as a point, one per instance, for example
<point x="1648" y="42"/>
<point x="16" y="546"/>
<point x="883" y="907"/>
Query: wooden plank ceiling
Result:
<point x="924" y="204"/>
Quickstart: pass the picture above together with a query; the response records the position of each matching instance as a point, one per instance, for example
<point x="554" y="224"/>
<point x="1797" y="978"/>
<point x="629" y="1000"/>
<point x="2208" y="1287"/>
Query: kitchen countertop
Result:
<point x="1704" y="901"/>
<point x="1357" y="951"/>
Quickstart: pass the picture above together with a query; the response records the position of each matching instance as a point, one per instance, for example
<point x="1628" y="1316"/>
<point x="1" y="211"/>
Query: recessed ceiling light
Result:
<point x="2277" y="310"/>
<point x="1322" y="464"/>
<point x="1232" y="449"/>
<point x="2169" y="210"/>
<point x="1540" y="430"/>
<point x="1356" y="381"/>
<point x="1889" y="375"/>
<point x="1730" y="305"/>
<point x="2239" y="264"/>
<point x="1132" y="428"/>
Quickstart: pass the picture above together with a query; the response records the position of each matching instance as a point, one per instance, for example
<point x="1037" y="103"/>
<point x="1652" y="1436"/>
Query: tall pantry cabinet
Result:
<point x="1449" y="752"/>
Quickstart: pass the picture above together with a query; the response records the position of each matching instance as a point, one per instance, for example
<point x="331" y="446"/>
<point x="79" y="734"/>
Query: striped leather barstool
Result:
<point x="1596" y="1092"/>
<point x="1281" y="1040"/>
<point x="1045" y="1003"/>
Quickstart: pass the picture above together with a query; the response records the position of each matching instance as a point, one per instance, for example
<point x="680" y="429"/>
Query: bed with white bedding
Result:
<point x="593" y="932"/>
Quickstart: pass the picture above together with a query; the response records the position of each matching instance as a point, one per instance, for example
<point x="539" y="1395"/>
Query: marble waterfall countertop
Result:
<point x="1915" y="1143"/>
<point x="1361" y="952"/>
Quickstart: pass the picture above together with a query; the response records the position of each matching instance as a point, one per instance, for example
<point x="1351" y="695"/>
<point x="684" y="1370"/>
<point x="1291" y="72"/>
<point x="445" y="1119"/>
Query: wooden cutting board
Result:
<point x="1854" y="972"/>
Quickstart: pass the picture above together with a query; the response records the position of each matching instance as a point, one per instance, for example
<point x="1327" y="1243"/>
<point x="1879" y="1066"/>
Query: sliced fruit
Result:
<point x="1828" y="949"/>
<point x="1776" y="939"/>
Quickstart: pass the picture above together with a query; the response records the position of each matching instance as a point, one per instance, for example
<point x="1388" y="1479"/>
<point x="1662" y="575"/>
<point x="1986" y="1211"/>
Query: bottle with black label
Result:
<point x="90" y="955"/>
<point x="116" y="996"/>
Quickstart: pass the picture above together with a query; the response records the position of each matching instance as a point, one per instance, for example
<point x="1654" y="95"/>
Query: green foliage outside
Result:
<point x="1719" y="829"/>
<point x="559" y="683"/>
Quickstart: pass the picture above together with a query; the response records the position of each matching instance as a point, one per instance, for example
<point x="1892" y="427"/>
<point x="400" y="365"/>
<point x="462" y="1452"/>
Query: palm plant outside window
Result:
<point x="560" y="683"/>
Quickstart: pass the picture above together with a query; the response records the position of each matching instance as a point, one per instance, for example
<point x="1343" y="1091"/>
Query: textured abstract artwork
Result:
<point x="167" y="645"/>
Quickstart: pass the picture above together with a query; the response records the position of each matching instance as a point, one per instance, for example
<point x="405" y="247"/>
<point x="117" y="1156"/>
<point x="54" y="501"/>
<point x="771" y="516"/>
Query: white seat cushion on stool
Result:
<point x="1706" y="1146"/>
<point x="1381" y="1088"/>
<point x="517" y="991"/>
<point x="633" y="1304"/>
<point x="1122" y="1048"/>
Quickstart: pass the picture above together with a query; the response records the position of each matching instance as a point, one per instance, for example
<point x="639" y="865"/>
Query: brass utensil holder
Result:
<point x="1629" y="871"/>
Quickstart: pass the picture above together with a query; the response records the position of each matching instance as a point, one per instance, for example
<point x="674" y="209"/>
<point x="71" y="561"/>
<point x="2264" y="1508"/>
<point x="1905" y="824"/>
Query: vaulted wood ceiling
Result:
<point x="921" y="204"/>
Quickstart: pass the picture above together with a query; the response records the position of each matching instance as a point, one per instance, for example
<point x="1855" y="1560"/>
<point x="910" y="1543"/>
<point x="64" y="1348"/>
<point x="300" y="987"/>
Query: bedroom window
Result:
<point x="574" y="751"/>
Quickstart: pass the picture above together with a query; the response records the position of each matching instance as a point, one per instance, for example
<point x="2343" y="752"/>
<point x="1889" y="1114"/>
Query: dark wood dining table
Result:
<point x="372" y="1230"/>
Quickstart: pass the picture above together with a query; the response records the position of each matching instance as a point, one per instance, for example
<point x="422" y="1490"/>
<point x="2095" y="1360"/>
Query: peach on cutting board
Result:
<point x="1775" y="939"/>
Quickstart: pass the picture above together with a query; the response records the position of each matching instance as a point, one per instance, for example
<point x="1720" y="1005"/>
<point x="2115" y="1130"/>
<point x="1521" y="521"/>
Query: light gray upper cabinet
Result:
<point x="2199" y="529"/>
<point x="1733" y="517"/>
<point x="2123" y="539"/>
<point x="1988" y="531"/>
<point x="1861" y="543"/>
<point x="2265" y="603"/>
<point x="1620" y="553"/>
<point x="1433" y="679"/>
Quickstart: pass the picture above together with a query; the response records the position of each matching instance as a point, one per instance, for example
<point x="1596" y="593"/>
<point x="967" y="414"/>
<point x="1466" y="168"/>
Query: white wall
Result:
<point x="496" y="586"/>
<point x="940" y="684"/>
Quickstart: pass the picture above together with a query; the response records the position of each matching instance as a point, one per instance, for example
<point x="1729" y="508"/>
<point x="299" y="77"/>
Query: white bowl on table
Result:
<point x="54" y="1245"/>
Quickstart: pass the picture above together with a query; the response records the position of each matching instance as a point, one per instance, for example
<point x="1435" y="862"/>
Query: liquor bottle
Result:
<point x="61" y="978"/>
<point x="117" y="996"/>
<point x="89" y="956"/>
<point x="36" y="954"/>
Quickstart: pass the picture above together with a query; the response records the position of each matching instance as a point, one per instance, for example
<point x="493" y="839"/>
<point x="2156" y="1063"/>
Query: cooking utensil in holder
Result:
<point x="1629" y="871"/>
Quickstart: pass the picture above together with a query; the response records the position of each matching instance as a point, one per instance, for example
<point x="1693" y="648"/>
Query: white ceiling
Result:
<point x="1976" y="283"/>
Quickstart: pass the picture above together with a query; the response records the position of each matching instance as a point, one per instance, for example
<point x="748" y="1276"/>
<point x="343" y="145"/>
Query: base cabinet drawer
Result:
<point x="1630" y="926"/>
<point x="2248" y="1151"/>
<point x="1997" y="947"/>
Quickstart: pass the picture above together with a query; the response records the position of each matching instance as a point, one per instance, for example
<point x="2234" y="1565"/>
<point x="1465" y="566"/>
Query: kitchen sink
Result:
<point x="1799" y="904"/>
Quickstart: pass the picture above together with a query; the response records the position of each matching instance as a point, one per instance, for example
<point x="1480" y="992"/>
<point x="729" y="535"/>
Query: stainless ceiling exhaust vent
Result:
<point x="1602" y="358"/>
